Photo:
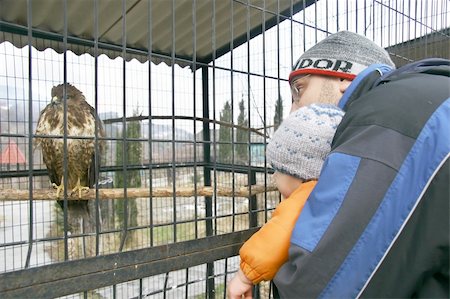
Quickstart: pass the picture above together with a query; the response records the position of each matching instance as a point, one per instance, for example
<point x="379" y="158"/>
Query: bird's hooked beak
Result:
<point x="55" y="100"/>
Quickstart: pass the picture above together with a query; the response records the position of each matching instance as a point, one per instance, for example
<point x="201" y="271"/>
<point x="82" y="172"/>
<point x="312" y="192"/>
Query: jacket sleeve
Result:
<point x="264" y="253"/>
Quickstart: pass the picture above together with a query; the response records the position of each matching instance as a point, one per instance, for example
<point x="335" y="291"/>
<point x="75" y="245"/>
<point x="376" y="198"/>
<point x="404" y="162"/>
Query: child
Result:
<point x="296" y="153"/>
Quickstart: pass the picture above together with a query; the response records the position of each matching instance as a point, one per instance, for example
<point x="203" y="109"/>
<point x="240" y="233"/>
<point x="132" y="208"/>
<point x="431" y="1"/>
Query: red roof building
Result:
<point x="12" y="155"/>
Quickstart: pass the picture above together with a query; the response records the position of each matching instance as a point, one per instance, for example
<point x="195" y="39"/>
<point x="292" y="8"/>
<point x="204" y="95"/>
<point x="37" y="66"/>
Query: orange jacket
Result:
<point x="264" y="253"/>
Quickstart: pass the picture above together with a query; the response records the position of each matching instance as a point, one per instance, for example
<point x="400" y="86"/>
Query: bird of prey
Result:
<point x="82" y="122"/>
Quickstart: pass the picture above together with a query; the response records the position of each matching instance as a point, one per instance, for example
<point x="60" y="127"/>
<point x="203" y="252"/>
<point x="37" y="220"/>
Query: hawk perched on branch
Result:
<point x="82" y="121"/>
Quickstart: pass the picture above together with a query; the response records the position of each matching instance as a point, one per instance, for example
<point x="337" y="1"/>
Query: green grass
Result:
<point x="184" y="232"/>
<point x="219" y="291"/>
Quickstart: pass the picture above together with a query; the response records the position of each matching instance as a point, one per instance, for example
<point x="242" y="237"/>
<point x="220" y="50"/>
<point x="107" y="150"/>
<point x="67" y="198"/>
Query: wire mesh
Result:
<point x="175" y="127"/>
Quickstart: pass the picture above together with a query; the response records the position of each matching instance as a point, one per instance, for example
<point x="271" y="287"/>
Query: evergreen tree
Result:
<point x="133" y="151"/>
<point x="242" y="135"/>
<point x="278" y="117"/>
<point x="225" y="146"/>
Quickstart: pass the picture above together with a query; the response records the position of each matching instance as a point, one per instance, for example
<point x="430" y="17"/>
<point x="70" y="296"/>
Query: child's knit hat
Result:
<point x="343" y="54"/>
<point x="303" y="140"/>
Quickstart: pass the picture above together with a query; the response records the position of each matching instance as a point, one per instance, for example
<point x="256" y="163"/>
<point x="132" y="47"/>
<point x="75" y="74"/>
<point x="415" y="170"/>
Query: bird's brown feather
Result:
<point x="82" y="121"/>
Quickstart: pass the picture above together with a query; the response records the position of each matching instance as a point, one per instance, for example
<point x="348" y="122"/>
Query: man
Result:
<point x="377" y="223"/>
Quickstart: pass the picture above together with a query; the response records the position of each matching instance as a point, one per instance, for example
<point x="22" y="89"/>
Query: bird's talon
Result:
<point x="80" y="189"/>
<point x="58" y="188"/>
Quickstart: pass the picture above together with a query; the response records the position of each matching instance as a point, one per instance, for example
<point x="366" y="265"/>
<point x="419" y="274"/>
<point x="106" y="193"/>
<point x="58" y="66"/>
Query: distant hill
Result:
<point x="14" y="107"/>
<point x="159" y="131"/>
<point x="164" y="132"/>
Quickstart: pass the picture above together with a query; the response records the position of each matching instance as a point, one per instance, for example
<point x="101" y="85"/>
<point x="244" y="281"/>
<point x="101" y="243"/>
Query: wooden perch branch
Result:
<point x="118" y="193"/>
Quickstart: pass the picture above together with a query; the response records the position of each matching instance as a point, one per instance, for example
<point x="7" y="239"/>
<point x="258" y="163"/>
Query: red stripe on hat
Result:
<point x="321" y="72"/>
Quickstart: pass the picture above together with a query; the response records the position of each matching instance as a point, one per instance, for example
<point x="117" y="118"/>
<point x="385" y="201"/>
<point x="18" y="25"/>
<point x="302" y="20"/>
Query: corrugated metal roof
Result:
<point x="213" y="22"/>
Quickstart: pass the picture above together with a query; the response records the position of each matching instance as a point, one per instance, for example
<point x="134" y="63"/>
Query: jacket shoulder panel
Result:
<point x="430" y="151"/>
<point x="309" y="228"/>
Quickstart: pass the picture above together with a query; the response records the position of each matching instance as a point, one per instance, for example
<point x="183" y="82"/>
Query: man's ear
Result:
<point x="343" y="85"/>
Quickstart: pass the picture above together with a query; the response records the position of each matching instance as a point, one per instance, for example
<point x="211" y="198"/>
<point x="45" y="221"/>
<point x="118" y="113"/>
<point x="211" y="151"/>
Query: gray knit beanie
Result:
<point x="303" y="140"/>
<point x="344" y="54"/>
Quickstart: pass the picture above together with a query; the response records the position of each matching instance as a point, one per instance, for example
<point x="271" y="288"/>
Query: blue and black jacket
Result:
<point x="377" y="223"/>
